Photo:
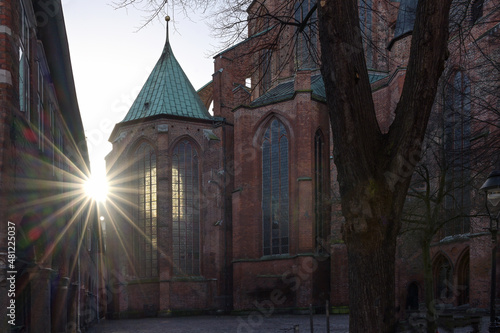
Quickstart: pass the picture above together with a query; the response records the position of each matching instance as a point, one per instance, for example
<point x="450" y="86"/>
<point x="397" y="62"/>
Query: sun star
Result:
<point x="96" y="187"/>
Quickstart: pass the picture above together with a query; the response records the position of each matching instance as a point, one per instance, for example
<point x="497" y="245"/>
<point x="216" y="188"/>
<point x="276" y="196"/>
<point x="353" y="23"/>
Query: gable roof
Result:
<point x="167" y="91"/>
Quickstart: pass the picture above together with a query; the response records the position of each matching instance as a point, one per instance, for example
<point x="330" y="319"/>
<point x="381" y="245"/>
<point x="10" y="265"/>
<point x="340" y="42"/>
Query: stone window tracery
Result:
<point x="146" y="240"/>
<point x="275" y="189"/>
<point x="185" y="210"/>
<point x="319" y="195"/>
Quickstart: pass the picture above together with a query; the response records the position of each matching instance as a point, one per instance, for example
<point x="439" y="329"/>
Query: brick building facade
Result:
<point x="260" y="224"/>
<point x="43" y="166"/>
<point x="460" y="149"/>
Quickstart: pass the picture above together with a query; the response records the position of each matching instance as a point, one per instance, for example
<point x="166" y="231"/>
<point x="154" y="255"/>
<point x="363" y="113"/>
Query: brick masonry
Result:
<point x="235" y="274"/>
<point x="37" y="148"/>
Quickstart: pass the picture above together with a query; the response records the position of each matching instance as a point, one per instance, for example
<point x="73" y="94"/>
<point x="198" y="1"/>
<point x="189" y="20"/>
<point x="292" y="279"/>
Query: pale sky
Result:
<point x="112" y="60"/>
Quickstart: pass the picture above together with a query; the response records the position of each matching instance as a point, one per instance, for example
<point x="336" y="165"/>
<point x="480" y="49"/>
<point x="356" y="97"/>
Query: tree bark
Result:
<point x="374" y="169"/>
<point x="371" y="298"/>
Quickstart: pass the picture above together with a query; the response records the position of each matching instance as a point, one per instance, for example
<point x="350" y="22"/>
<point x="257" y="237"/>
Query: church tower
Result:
<point x="167" y="235"/>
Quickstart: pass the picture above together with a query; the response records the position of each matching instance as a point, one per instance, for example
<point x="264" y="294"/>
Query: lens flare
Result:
<point x="96" y="187"/>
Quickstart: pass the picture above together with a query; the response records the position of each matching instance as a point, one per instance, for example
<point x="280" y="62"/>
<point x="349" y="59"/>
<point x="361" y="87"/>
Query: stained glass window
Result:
<point x="275" y="189"/>
<point x="146" y="239"/>
<point x="185" y="210"/>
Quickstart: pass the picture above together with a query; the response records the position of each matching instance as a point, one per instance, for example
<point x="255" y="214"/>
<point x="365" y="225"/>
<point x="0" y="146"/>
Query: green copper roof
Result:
<point x="167" y="91"/>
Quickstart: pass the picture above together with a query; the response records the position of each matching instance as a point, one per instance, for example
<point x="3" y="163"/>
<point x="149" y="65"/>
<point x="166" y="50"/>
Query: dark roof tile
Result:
<point x="286" y="90"/>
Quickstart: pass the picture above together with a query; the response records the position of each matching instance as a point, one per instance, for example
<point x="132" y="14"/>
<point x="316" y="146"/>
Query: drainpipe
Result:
<point x="224" y="216"/>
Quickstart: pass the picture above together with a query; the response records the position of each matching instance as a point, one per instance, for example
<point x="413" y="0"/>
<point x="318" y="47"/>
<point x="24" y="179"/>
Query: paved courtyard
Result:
<point x="224" y="324"/>
<point x="254" y="323"/>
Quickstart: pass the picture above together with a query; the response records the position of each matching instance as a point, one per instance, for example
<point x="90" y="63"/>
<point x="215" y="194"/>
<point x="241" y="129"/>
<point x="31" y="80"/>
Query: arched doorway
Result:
<point x="412" y="296"/>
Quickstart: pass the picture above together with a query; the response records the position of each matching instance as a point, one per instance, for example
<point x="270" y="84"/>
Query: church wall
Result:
<point x="258" y="278"/>
<point x="145" y="298"/>
<point x="168" y="292"/>
<point x="480" y="271"/>
<point x="231" y="193"/>
<point x="466" y="54"/>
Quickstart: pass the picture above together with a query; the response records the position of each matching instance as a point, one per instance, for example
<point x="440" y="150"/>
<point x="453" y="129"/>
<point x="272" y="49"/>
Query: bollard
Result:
<point x="311" y="317"/>
<point x="327" y="312"/>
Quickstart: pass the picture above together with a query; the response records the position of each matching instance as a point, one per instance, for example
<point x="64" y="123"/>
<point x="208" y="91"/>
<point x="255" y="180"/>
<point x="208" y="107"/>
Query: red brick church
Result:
<point x="238" y="208"/>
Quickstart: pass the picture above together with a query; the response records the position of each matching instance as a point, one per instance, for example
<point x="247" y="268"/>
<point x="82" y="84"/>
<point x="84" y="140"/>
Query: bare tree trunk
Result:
<point x="374" y="169"/>
<point x="371" y="263"/>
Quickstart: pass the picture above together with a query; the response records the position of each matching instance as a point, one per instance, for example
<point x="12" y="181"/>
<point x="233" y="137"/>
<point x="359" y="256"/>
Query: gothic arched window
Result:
<point x="463" y="279"/>
<point x="476" y="10"/>
<point x="185" y="210"/>
<point x="307" y="35"/>
<point x="275" y="189"/>
<point x="365" y="21"/>
<point x="457" y="142"/>
<point x="145" y="240"/>
<point x="319" y="196"/>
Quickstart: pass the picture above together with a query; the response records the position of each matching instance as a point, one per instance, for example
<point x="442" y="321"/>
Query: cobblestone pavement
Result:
<point x="254" y="323"/>
<point x="224" y="324"/>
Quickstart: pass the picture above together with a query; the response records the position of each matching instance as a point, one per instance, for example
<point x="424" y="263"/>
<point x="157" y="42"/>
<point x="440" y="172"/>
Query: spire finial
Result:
<point x="167" y="19"/>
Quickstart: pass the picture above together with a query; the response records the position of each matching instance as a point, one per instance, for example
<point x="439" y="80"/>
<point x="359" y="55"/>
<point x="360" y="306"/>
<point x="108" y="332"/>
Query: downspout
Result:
<point x="226" y="221"/>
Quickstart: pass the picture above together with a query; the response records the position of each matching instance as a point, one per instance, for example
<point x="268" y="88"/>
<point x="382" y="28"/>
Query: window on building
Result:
<point x="476" y="10"/>
<point x="412" y="297"/>
<point x="52" y="136"/>
<point x="24" y="70"/>
<point x="266" y="70"/>
<point x="307" y="35"/>
<point x="443" y="278"/>
<point x="275" y="189"/>
<point x="40" y="110"/>
<point x="463" y="279"/>
<point x="262" y="18"/>
<point x="319" y="184"/>
<point x="185" y="209"/>
<point x="146" y="240"/>
<point x="60" y="149"/>
<point x="457" y="143"/>
<point x="365" y="22"/>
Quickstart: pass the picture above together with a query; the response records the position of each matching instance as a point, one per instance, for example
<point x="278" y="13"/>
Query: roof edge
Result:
<point x="156" y="117"/>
